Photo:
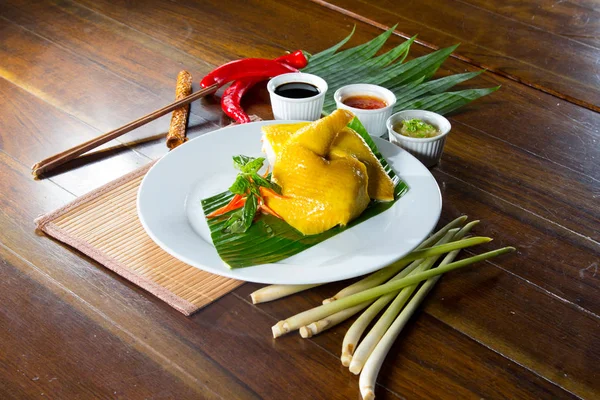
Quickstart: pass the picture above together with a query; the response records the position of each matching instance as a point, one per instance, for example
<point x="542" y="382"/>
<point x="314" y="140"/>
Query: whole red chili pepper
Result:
<point x="245" y="68"/>
<point x="232" y="97"/>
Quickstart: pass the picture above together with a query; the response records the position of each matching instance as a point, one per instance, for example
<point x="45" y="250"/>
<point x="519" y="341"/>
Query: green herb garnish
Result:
<point x="418" y="129"/>
<point x="248" y="197"/>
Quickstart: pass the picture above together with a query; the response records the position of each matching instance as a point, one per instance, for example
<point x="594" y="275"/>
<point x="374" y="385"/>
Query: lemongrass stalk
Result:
<point x="317" y="327"/>
<point x="366" y="347"/>
<point x="331" y="321"/>
<point x="371" y="369"/>
<point x="373" y="364"/>
<point x="322" y="311"/>
<point x="400" y="298"/>
<point x="274" y="292"/>
<point x="386" y="273"/>
<point x="356" y="330"/>
<point x="334" y="319"/>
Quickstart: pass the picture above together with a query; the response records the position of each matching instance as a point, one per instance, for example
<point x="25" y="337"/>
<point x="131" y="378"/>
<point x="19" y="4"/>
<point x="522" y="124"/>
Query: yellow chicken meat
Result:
<point x="347" y="143"/>
<point x="318" y="193"/>
<point x="323" y="169"/>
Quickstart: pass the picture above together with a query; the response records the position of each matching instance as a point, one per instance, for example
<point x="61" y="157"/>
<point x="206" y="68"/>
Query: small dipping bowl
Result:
<point x="427" y="150"/>
<point x="374" y="119"/>
<point x="305" y="109"/>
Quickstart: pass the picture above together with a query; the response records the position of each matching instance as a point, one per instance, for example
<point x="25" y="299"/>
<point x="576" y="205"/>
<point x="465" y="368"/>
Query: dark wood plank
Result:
<point x="557" y="259"/>
<point x="555" y="130"/>
<point x="135" y="316"/>
<point x="576" y="20"/>
<point x="272" y="369"/>
<point x="538" y="185"/>
<point x="28" y="130"/>
<point x="225" y="37"/>
<point x="47" y="343"/>
<point x="512" y="47"/>
<point x="514" y="309"/>
<point x="449" y="361"/>
<point x="114" y="47"/>
<point x="99" y="98"/>
<point x="514" y="318"/>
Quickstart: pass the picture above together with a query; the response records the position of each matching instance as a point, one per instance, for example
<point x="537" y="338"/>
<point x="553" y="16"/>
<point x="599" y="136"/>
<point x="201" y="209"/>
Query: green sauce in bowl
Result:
<point x="416" y="128"/>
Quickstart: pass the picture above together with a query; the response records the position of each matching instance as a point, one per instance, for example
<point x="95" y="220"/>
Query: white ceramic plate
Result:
<point x="170" y="211"/>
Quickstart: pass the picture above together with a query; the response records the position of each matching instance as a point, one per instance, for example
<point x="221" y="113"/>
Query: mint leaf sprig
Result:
<point x="248" y="185"/>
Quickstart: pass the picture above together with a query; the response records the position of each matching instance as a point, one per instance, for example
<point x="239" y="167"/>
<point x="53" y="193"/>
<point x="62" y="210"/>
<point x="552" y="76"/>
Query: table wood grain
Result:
<point x="522" y="160"/>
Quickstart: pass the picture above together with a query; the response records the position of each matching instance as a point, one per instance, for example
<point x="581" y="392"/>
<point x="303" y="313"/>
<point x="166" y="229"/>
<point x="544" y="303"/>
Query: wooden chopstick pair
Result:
<point x="54" y="161"/>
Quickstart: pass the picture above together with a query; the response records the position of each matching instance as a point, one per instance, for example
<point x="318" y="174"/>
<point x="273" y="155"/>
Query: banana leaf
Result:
<point x="271" y="239"/>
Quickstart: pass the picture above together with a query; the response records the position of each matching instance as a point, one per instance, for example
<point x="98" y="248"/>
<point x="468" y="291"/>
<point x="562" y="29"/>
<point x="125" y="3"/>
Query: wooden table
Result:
<point x="526" y="161"/>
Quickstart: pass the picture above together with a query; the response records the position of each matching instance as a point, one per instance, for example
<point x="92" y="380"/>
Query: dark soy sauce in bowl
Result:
<point x="297" y="90"/>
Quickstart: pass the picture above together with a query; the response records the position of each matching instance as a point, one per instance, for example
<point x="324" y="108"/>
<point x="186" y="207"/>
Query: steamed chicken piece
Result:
<point x="334" y="195"/>
<point x="318" y="193"/>
<point x="347" y="143"/>
<point x="276" y="136"/>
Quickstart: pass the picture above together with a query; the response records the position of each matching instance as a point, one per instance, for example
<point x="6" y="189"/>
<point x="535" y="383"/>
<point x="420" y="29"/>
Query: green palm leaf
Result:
<point x="409" y="81"/>
<point x="418" y="89"/>
<point x="332" y="49"/>
<point x="443" y="103"/>
<point x="327" y="58"/>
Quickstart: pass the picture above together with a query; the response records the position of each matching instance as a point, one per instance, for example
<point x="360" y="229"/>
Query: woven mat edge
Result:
<point x="45" y="224"/>
<point x="44" y="219"/>
<point x="165" y="295"/>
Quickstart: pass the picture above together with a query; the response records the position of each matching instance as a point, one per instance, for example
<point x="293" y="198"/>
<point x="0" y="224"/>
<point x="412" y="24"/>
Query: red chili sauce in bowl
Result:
<point x="364" y="102"/>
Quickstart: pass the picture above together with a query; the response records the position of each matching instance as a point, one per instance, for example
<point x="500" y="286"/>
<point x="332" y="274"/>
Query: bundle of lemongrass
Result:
<point x="394" y="287"/>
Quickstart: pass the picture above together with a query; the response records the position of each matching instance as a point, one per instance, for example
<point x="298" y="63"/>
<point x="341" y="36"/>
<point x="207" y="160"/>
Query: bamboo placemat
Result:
<point x="104" y="225"/>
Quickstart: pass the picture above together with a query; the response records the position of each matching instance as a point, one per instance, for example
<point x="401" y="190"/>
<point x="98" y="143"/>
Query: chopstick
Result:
<point x="54" y="161"/>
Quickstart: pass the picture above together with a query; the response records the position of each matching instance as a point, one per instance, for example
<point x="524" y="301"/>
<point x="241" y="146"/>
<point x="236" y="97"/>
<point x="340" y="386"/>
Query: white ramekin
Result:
<point x="307" y="109"/>
<point x="373" y="120"/>
<point x="427" y="150"/>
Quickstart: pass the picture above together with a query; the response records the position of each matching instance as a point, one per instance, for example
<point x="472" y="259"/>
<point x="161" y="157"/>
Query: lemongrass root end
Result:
<point x="346" y="359"/>
<point x="280" y="328"/>
<point x="309" y="330"/>
<point x="254" y="299"/>
<point x="329" y="300"/>
<point x="367" y="393"/>
<point x="355" y="367"/>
